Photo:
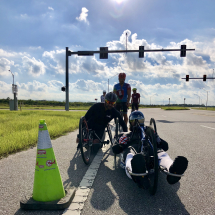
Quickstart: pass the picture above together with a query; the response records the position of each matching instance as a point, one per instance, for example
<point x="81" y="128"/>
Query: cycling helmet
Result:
<point x="134" y="89"/>
<point x="111" y="97"/>
<point x="122" y="75"/>
<point x="137" y="115"/>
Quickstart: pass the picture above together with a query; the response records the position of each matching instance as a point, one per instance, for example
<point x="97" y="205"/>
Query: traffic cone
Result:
<point x="48" y="185"/>
<point x="48" y="190"/>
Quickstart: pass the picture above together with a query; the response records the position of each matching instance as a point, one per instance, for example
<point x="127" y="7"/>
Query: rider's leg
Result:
<point x="125" y="111"/>
<point x="132" y="106"/>
<point x="136" y="163"/>
<point x="136" y="106"/>
<point x="178" y="166"/>
<point x="125" y="118"/>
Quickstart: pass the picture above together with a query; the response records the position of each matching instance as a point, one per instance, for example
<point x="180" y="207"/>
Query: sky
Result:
<point x="35" y="33"/>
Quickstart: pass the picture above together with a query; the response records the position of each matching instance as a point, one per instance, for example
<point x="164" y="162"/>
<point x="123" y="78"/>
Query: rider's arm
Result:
<point x="89" y="112"/>
<point x="129" y="94"/>
<point x="139" y="100"/>
<point x="114" y="90"/>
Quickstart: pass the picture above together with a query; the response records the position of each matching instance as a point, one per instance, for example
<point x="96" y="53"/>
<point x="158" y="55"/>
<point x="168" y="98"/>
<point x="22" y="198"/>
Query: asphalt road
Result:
<point x="189" y="133"/>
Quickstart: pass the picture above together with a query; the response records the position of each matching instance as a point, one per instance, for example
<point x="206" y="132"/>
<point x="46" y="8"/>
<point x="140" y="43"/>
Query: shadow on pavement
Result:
<point x="112" y="186"/>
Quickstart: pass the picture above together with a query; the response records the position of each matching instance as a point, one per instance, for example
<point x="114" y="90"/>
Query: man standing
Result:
<point x="123" y="92"/>
<point x="135" y="101"/>
<point x="103" y="96"/>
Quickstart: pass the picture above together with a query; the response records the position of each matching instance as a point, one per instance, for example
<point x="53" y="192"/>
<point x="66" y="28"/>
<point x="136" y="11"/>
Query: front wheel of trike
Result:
<point x="153" y="170"/>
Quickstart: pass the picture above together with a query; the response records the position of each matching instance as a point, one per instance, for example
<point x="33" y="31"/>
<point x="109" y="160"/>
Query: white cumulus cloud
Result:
<point x="83" y="15"/>
<point x="33" y="66"/>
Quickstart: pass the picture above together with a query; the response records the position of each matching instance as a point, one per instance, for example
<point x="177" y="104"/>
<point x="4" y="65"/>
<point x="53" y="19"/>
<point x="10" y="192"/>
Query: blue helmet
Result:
<point x="137" y="115"/>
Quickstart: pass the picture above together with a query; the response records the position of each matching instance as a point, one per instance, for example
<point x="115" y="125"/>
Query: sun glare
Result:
<point x="119" y="1"/>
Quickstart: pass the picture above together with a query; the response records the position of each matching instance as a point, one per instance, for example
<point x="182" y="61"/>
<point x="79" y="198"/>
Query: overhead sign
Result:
<point x="85" y="53"/>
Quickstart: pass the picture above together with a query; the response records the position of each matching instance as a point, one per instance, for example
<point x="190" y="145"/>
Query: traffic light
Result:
<point x="141" y="54"/>
<point x="104" y="55"/>
<point x="183" y="53"/>
<point x="63" y="89"/>
<point x="187" y="77"/>
<point x="204" y="77"/>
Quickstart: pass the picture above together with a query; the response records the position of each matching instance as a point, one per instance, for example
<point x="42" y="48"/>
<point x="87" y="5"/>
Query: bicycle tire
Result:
<point x="153" y="178"/>
<point x="110" y="134"/>
<point x="117" y="129"/>
<point x="84" y="145"/>
<point x="152" y="122"/>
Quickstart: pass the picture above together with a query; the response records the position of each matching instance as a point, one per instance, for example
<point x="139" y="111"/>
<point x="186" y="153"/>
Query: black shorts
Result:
<point x="122" y="106"/>
<point x="135" y="106"/>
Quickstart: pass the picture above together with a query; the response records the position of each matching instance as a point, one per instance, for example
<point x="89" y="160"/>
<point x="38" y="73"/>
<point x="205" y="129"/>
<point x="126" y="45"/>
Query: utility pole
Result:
<point x="14" y="92"/>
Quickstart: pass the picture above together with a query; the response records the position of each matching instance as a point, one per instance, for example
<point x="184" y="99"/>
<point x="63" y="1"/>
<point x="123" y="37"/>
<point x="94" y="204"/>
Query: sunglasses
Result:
<point x="110" y="103"/>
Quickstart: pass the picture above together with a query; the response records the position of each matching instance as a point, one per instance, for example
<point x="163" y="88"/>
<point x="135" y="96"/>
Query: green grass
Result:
<point x="37" y="107"/>
<point x="19" y="129"/>
<point x="175" y="108"/>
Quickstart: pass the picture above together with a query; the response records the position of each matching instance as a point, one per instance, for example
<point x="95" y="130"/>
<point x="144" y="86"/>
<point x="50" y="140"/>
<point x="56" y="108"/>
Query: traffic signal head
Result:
<point x="141" y="54"/>
<point x="104" y="55"/>
<point x="187" y="77"/>
<point x="204" y="77"/>
<point x="183" y="52"/>
<point x="63" y="88"/>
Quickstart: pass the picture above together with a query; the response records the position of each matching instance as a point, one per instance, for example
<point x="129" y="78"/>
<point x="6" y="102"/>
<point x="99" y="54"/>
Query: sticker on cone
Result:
<point x="48" y="185"/>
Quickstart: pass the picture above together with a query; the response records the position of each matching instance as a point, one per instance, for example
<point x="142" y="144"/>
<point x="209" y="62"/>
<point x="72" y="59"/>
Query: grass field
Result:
<point x="19" y="129"/>
<point x="174" y="108"/>
<point x="36" y="107"/>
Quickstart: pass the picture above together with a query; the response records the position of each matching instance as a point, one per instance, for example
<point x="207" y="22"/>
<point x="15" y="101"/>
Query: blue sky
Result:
<point x="34" y="35"/>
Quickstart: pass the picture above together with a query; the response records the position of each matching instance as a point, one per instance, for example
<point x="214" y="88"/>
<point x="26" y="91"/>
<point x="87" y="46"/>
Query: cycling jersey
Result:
<point x="102" y="99"/>
<point x="122" y="91"/>
<point x="98" y="118"/>
<point x="135" y="97"/>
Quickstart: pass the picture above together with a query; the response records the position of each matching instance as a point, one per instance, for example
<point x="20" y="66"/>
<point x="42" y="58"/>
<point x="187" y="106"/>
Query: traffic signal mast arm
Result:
<point x="90" y="53"/>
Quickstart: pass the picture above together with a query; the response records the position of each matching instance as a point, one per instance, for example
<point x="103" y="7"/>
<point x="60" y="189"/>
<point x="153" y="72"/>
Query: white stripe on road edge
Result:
<point x="83" y="190"/>
<point x="207" y="127"/>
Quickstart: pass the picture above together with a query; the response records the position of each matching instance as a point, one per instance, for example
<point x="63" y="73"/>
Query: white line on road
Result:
<point x="83" y="190"/>
<point x="163" y="115"/>
<point x="207" y="127"/>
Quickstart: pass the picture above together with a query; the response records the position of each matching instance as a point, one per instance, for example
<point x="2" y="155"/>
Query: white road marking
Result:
<point x="163" y="115"/>
<point x="207" y="127"/>
<point x="83" y="190"/>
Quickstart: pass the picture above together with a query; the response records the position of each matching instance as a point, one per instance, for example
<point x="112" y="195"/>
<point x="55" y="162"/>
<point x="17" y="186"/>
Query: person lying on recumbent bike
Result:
<point x="129" y="145"/>
<point x="100" y="114"/>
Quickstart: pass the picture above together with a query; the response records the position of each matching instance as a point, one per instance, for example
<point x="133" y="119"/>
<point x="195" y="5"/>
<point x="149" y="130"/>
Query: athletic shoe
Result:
<point x="178" y="167"/>
<point x="138" y="165"/>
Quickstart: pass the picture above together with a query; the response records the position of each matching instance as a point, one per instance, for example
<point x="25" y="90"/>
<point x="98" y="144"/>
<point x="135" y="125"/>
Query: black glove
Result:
<point x="118" y="148"/>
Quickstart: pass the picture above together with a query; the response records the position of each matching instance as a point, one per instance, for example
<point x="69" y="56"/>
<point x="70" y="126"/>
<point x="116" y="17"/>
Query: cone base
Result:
<point x="28" y="203"/>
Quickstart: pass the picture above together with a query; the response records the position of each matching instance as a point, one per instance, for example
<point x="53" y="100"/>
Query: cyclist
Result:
<point x="103" y="96"/>
<point x="135" y="100"/>
<point x="100" y="114"/>
<point x="123" y="92"/>
<point x="129" y="144"/>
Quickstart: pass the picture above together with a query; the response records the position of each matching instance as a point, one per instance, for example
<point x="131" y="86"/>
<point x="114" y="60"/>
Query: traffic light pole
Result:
<point x="67" y="80"/>
<point x="105" y="51"/>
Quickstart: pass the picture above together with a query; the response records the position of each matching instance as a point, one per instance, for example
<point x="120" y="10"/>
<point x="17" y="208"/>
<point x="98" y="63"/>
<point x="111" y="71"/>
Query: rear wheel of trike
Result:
<point x="84" y="142"/>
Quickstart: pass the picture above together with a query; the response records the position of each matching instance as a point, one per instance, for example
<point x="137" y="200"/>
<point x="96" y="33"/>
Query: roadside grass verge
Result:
<point x="204" y="108"/>
<point x="39" y="107"/>
<point x="19" y="129"/>
<point x="175" y="108"/>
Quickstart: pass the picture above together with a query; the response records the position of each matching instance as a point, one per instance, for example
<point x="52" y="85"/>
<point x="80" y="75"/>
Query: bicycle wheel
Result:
<point x="117" y="129"/>
<point x="152" y="121"/>
<point x="84" y="141"/>
<point x="153" y="176"/>
<point x="110" y="134"/>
